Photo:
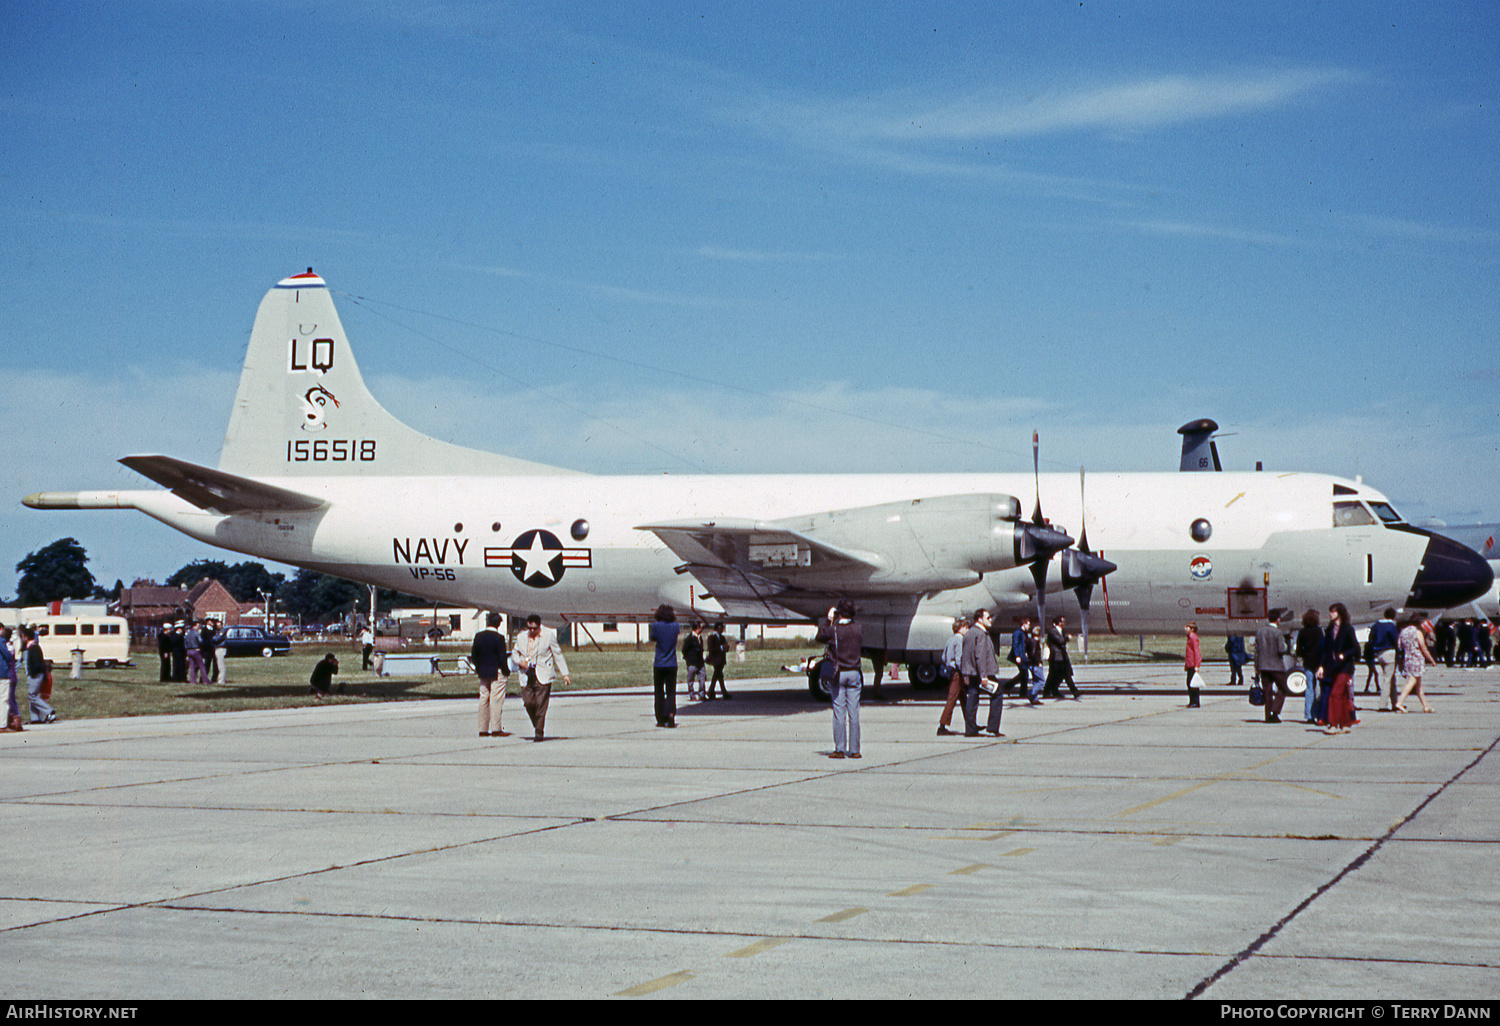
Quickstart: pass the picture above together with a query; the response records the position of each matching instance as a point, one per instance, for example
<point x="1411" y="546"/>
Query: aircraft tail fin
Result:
<point x="1198" y="449"/>
<point x="302" y="408"/>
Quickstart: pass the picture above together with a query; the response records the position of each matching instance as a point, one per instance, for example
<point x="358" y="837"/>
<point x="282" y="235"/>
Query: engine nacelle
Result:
<point x="932" y="543"/>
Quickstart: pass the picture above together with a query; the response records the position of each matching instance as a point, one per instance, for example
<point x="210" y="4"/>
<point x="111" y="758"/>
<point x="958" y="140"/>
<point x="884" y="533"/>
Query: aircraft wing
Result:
<point x="742" y="593"/>
<point x="907" y="547"/>
<point x="761" y="547"/>
<point x="216" y="491"/>
<point x="748" y="565"/>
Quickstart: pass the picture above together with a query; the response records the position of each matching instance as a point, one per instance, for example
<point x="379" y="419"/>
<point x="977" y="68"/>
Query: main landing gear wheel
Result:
<point x="923" y="675"/>
<point x="815" y="685"/>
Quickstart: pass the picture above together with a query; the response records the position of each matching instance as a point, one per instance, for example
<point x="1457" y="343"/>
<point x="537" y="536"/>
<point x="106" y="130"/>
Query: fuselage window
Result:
<point x="1351" y="514"/>
<point x="1387" y="515"/>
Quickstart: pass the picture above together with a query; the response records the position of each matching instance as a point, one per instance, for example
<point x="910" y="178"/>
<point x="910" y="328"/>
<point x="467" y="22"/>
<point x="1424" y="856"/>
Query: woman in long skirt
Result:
<point x="1340" y="653"/>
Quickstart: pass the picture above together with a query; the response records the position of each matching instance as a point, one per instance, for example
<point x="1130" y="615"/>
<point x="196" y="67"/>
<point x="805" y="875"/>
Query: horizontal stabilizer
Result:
<point x="217" y="491"/>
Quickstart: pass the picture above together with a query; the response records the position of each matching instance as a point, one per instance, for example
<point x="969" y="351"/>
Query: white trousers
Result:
<point x="491" y="704"/>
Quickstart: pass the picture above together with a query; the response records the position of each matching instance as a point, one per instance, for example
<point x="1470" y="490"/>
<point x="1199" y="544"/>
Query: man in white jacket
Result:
<point x="539" y="658"/>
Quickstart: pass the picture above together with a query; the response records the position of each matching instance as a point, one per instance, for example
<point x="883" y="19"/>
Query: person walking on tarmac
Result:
<point x="1059" y="665"/>
<point x="1340" y="653"/>
<point x="1192" y="658"/>
<point x="1270" y="665"/>
<point x="716" y="656"/>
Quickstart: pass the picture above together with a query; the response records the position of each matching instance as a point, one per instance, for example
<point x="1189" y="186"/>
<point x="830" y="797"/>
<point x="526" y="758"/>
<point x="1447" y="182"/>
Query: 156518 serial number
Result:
<point x="330" y="450"/>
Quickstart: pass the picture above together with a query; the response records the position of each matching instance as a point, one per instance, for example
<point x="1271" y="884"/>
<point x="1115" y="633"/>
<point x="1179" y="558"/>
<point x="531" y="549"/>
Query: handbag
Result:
<point x="1257" y="696"/>
<point x="46" y="689"/>
<point x="828" y="669"/>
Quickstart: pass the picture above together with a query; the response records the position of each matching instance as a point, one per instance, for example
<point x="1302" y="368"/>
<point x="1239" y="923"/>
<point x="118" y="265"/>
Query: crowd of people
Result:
<point x="1395" y="656"/>
<point x="971" y="667"/>
<point x="1467" y="643"/>
<point x="24" y="655"/>
<point x="186" y="650"/>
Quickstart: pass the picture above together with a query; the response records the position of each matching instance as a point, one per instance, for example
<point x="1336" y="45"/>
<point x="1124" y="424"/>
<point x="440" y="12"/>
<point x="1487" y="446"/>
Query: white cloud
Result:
<point x="1214" y="231"/>
<point x="902" y="129"/>
<point x="1126" y="106"/>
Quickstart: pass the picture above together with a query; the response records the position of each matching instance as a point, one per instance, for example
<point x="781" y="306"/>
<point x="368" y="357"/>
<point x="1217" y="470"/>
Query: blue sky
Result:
<point x="754" y="237"/>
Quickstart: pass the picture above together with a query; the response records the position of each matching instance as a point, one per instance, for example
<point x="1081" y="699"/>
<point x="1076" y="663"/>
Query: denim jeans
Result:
<point x="40" y="710"/>
<point x="846" y="711"/>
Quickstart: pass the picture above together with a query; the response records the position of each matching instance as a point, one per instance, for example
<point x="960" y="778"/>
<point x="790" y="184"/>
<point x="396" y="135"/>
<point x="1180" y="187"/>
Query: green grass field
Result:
<point x="281" y="682"/>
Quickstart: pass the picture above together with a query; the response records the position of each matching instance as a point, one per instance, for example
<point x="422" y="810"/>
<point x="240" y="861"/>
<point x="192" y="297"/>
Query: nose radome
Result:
<point x="1451" y="575"/>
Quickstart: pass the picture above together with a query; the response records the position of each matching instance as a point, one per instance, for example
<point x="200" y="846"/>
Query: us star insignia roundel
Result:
<point x="538" y="558"/>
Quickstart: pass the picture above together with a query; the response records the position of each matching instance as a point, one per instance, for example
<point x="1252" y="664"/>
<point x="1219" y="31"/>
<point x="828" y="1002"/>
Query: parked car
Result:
<point x="250" y="641"/>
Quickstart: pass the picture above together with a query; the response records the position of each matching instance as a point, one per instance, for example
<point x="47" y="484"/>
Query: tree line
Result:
<point x="60" y="571"/>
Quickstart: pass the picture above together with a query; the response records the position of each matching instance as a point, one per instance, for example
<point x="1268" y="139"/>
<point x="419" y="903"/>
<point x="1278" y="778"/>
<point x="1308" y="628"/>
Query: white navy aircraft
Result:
<point x="315" y="473"/>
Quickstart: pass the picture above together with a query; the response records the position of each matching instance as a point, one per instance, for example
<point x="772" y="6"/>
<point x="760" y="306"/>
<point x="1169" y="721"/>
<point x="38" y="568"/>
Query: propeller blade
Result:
<point x="1039" y="541"/>
<point x="1039" y="575"/>
<point x="1036" y="471"/>
<point x="1083" y="516"/>
<point x="1083" y="569"/>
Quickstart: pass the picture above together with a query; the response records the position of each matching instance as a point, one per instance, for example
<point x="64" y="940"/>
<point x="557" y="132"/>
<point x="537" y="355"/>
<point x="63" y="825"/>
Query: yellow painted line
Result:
<point x="655" y="985"/>
<point x="765" y="944"/>
<point x="1314" y="790"/>
<point x="1299" y="787"/>
<point x="1170" y="797"/>
<point x="1018" y="851"/>
<point x="839" y="917"/>
<point x="1162" y="842"/>
<point x="1244" y="774"/>
<point x="1232" y="501"/>
<point x="913" y="889"/>
<point x="966" y="870"/>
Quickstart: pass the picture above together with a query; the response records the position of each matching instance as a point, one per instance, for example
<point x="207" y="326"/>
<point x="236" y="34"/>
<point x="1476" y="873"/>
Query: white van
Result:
<point x="105" y="640"/>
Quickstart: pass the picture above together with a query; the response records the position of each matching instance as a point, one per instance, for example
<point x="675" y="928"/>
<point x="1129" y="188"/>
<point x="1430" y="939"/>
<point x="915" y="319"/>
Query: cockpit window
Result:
<point x="1387" y="515"/>
<point x="1351" y="514"/>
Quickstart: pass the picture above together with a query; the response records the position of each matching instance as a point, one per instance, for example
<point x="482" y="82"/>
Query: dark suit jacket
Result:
<point x="488" y="655"/>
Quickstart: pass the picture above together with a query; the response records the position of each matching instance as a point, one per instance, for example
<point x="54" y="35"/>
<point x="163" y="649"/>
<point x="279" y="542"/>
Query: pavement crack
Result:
<point x="1359" y="860"/>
